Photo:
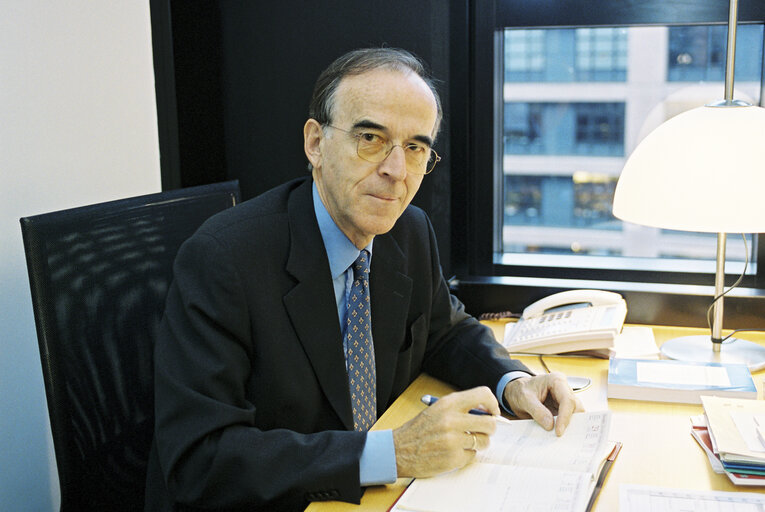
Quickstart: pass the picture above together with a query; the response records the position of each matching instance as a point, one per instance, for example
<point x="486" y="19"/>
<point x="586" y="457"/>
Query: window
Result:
<point x="523" y="128"/>
<point x="601" y="54"/>
<point x="565" y="55"/>
<point x="563" y="128"/>
<point x="580" y="201"/>
<point x="526" y="60"/>
<point x="559" y="94"/>
<point x="599" y="128"/>
<point x="562" y="156"/>
<point x="698" y="53"/>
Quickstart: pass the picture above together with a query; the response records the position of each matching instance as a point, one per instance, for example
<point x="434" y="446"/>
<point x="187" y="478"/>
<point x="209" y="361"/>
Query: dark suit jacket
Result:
<point x="252" y="401"/>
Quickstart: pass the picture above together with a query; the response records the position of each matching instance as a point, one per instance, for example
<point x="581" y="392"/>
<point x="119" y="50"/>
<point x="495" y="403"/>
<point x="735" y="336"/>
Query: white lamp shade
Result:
<point x="702" y="170"/>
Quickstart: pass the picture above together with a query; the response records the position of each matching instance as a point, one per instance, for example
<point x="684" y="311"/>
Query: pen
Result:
<point x="430" y="400"/>
<point x="602" y="477"/>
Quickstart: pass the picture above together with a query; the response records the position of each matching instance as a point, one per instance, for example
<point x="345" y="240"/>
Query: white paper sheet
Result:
<point x="687" y="374"/>
<point x="642" y="498"/>
<point x="750" y="426"/>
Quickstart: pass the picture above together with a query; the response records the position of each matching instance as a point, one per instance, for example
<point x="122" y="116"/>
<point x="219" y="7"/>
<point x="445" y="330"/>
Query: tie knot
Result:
<point x="361" y="266"/>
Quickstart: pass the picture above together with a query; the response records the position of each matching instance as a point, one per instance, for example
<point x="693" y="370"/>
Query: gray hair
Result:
<point x="360" y="61"/>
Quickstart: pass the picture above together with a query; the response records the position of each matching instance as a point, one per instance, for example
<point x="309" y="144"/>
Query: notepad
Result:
<point x="524" y="465"/>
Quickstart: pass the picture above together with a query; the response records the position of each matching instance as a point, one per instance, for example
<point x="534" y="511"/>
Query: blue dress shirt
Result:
<point x="378" y="458"/>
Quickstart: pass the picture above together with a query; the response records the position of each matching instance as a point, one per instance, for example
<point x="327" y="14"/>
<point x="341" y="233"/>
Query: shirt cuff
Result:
<point x="378" y="459"/>
<point x="503" y="382"/>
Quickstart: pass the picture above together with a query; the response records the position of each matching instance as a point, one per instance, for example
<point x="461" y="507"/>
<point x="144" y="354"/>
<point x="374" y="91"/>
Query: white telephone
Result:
<point x="570" y="321"/>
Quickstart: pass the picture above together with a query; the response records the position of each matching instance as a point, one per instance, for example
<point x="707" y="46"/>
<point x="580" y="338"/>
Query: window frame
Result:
<point x="482" y="281"/>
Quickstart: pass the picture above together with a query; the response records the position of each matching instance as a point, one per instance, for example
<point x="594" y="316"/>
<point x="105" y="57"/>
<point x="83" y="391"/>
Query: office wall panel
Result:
<point x="244" y="72"/>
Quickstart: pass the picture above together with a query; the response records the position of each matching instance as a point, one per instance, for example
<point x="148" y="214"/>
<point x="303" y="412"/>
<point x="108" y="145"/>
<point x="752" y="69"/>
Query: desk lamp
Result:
<point x="703" y="170"/>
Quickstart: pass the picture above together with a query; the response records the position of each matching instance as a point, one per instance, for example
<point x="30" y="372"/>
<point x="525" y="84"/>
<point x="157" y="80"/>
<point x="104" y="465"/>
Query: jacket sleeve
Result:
<point x="211" y="452"/>
<point x="461" y="350"/>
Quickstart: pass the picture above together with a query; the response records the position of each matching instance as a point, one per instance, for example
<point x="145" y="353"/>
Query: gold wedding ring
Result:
<point x="475" y="441"/>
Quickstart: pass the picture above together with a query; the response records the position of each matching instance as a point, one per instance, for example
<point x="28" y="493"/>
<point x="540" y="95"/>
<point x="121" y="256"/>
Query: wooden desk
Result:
<point x="657" y="447"/>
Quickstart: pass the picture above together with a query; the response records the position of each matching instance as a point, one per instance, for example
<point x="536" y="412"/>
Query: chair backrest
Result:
<point x="99" y="275"/>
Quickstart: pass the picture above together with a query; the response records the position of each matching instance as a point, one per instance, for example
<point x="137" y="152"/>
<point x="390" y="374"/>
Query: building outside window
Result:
<point x="577" y="101"/>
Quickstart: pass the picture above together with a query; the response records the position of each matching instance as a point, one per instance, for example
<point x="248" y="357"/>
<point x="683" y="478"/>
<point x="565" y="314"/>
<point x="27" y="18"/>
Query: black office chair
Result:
<point x="99" y="275"/>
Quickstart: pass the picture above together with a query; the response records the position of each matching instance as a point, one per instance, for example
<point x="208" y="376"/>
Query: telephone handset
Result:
<point x="570" y="321"/>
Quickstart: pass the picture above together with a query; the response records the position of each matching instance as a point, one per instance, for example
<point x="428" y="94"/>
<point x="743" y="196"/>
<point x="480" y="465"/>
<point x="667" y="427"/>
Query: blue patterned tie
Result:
<point x="360" y="354"/>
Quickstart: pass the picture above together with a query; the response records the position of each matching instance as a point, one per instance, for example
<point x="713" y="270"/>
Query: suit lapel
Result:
<point x="311" y="303"/>
<point x="391" y="291"/>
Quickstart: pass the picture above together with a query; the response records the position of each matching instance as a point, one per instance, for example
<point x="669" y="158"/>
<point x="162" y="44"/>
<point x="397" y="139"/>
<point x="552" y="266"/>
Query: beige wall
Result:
<point x="78" y="125"/>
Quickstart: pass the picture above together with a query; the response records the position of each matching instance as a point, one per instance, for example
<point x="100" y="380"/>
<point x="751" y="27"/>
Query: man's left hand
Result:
<point x="542" y="396"/>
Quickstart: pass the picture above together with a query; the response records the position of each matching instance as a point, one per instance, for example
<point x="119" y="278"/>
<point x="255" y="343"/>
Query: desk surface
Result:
<point x="657" y="450"/>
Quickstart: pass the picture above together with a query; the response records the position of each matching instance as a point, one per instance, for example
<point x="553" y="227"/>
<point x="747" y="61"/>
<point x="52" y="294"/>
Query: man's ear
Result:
<point x="312" y="136"/>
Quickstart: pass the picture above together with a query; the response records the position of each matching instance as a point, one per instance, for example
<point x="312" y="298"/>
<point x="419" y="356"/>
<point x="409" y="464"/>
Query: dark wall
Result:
<point x="243" y="74"/>
<point x="197" y="59"/>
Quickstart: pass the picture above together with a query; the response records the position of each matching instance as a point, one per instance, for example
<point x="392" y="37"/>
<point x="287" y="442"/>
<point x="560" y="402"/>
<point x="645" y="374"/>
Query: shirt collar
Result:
<point x="340" y="250"/>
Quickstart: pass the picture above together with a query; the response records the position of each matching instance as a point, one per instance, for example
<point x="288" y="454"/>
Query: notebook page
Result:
<point x="493" y="488"/>
<point x="509" y="474"/>
<point x="524" y="443"/>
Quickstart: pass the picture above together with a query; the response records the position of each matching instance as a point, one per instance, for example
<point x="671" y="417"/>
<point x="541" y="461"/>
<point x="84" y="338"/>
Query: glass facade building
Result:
<point x="576" y="103"/>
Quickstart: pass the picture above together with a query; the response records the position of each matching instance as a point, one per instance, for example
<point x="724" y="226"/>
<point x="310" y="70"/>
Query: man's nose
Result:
<point x="394" y="164"/>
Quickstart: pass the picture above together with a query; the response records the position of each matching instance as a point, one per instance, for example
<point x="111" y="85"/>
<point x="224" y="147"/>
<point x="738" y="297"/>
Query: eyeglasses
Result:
<point x="375" y="148"/>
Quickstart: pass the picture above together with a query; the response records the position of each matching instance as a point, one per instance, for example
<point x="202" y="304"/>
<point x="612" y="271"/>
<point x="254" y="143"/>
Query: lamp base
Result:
<point x="699" y="349"/>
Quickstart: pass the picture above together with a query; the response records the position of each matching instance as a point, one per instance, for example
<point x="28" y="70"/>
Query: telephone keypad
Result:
<point x="554" y="323"/>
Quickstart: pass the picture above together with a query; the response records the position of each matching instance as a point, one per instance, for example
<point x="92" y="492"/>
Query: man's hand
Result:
<point x="445" y="436"/>
<point x="542" y="396"/>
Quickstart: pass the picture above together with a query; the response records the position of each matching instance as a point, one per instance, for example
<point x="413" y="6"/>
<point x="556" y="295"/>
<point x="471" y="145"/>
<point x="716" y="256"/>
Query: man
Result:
<point x="265" y="389"/>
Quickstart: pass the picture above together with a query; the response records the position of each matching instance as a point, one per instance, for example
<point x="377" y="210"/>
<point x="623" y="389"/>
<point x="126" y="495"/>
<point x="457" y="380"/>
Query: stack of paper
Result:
<point x="732" y="433"/>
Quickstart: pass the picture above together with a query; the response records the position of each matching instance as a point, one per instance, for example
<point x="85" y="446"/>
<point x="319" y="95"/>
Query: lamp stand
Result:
<point x="711" y="349"/>
<point x="698" y="349"/>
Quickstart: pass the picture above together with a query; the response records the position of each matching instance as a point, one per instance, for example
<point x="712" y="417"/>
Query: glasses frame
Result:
<point x="357" y="136"/>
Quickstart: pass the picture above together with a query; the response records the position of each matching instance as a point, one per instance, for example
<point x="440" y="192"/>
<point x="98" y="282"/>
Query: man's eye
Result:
<point x="416" y="148"/>
<point x="371" y="138"/>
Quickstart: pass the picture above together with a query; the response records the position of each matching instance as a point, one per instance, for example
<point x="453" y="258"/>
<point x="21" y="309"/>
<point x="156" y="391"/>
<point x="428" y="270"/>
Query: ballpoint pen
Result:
<point x="430" y="400"/>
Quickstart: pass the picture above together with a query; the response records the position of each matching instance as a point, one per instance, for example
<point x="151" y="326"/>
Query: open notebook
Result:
<point x="524" y="468"/>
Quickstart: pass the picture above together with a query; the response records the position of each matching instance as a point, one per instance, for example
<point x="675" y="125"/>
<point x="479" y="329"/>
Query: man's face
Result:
<point x="364" y="198"/>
